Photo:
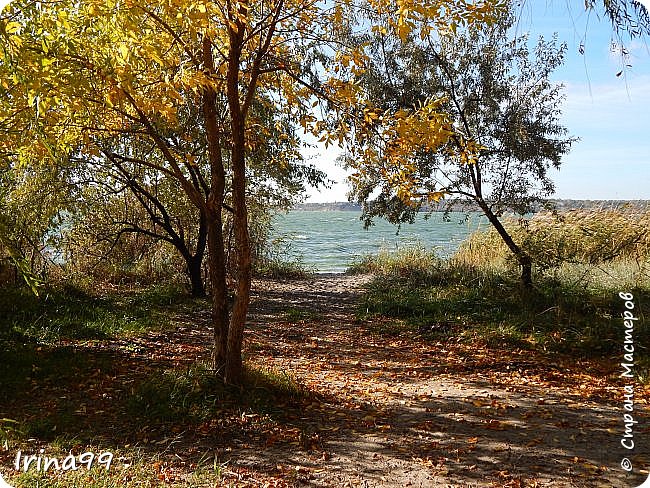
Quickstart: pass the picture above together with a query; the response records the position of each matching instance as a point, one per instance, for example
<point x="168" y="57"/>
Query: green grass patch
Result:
<point x="196" y="394"/>
<point x="67" y="312"/>
<point x="295" y="315"/>
<point x="128" y="468"/>
<point x="453" y="301"/>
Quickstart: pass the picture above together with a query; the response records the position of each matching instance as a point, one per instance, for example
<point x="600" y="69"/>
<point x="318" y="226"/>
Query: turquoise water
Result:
<point x="329" y="242"/>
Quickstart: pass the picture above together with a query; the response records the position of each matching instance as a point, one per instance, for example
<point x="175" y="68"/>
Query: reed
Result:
<point x="415" y="262"/>
<point x="602" y="244"/>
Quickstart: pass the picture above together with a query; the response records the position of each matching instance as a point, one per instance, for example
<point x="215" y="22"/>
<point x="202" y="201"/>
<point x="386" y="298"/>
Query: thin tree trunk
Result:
<point x="214" y="204"/>
<point x="217" y="269"/>
<point x="194" y="266"/>
<point x="234" y="369"/>
<point x="243" y="255"/>
<point x="524" y="260"/>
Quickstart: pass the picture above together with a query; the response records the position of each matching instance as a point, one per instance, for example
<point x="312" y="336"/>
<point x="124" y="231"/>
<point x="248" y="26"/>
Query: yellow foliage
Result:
<point x="103" y="66"/>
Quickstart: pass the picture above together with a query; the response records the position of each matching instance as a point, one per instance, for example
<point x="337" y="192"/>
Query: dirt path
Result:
<point x="400" y="412"/>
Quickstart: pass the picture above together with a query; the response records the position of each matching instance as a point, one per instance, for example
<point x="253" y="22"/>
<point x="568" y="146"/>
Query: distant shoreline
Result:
<point x="560" y="204"/>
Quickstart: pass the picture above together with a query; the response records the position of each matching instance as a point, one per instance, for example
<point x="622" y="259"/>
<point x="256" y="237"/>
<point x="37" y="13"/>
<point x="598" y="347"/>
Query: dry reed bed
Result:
<point x="616" y="237"/>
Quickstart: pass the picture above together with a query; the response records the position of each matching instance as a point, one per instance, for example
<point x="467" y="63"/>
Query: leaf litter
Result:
<point x="375" y="410"/>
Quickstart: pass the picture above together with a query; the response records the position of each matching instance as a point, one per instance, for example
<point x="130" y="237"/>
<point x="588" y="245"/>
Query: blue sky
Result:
<point x="609" y="114"/>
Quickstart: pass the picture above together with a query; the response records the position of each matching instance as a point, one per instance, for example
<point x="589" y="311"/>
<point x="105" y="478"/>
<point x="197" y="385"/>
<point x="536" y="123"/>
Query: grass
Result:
<point x="166" y="412"/>
<point x="475" y="297"/>
<point x="196" y="394"/>
<point x="67" y="384"/>
<point x="295" y="315"/>
<point x="34" y="337"/>
<point x="129" y="468"/>
<point x="172" y="425"/>
<point x="414" y="263"/>
<point x="42" y="345"/>
<point x="67" y="312"/>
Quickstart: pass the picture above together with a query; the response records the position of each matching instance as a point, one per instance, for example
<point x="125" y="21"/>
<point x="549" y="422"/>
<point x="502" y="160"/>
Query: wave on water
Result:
<point x="337" y="238"/>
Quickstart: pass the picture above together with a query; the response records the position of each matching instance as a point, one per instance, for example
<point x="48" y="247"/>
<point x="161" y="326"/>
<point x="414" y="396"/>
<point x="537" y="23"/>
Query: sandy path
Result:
<point x="382" y="410"/>
<point x="398" y="411"/>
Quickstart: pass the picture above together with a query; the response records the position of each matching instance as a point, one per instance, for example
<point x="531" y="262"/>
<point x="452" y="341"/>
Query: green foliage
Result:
<point x="30" y="213"/>
<point x="21" y="264"/>
<point x="632" y="18"/>
<point x="67" y="312"/>
<point x="9" y="428"/>
<point x="135" y="260"/>
<point x="197" y="394"/>
<point x="281" y="269"/>
<point x="497" y="95"/>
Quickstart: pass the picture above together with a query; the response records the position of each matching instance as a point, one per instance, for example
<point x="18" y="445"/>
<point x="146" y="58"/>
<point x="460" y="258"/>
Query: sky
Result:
<point x="609" y="113"/>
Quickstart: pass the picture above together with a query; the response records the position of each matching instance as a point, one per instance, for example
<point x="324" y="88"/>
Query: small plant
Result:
<point x="294" y="315"/>
<point x="9" y="430"/>
<point x="275" y="383"/>
<point x="173" y="396"/>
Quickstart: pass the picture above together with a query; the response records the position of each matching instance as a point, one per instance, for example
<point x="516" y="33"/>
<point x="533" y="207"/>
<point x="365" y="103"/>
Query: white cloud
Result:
<point x="325" y="160"/>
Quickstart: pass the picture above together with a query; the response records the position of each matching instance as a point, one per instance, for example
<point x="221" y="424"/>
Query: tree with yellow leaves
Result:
<point x="75" y="75"/>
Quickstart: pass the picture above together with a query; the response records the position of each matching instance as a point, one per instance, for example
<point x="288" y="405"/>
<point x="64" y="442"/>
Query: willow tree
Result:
<point x="502" y="113"/>
<point x="123" y="197"/>
<point x="32" y="205"/>
<point x="78" y="73"/>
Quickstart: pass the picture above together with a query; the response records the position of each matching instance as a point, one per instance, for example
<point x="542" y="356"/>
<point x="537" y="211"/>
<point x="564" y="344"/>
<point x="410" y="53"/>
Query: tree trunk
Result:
<point x="195" y="263"/>
<point x="217" y="269"/>
<point x="526" y="271"/>
<point x="213" y="207"/>
<point x="234" y="368"/>
<point x="194" y="266"/>
<point x="524" y="260"/>
<point x="243" y="255"/>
